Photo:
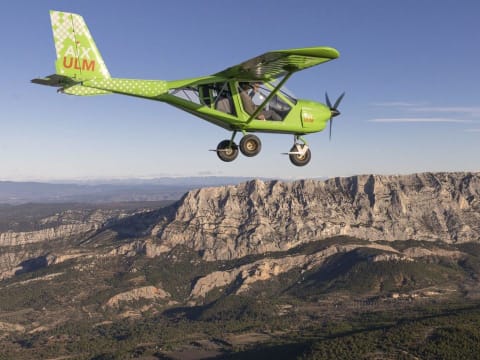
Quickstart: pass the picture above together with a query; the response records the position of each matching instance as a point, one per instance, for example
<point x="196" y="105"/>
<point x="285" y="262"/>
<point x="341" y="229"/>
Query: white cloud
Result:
<point x="403" y="104"/>
<point x="468" y="110"/>
<point x="418" y="120"/>
<point x="422" y="107"/>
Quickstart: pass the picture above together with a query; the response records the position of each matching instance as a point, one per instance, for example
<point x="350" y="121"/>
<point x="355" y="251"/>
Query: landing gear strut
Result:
<point x="227" y="150"/>
<point x="250" y="145"/>
<point x="299" y="154"/>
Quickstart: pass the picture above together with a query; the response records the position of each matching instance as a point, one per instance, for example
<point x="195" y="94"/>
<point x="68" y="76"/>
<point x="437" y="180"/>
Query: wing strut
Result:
<point x="269" y="97"/>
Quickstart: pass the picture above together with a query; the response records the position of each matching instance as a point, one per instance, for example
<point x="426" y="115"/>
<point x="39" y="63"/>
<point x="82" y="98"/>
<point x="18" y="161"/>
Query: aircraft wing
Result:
<point x="275" y="64"/>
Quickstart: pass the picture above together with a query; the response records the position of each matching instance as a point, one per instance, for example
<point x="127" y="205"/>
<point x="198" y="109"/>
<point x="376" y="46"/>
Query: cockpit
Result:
<point x="220" y="96"/>
<point x="281" y="103"/>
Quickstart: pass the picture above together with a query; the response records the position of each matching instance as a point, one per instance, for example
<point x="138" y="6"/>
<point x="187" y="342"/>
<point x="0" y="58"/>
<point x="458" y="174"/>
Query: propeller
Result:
<point x="333" y="110"/>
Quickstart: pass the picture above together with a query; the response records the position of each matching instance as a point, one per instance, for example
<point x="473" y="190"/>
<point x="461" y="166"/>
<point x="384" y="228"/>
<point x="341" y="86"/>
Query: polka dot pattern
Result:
<point x="144" y="88"/>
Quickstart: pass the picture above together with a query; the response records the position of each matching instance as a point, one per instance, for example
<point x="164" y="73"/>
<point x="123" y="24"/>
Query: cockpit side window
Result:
<point x="217" y="96"/>
<point x="214" y="95"/>
<point x="223" y="98"/>
<point x="254" y="94"/>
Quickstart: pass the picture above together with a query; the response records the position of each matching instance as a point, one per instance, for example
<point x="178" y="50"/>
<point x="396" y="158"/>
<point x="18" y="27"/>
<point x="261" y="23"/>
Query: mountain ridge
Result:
<point x="255" y="217"/>
<point x="275" y="216"/>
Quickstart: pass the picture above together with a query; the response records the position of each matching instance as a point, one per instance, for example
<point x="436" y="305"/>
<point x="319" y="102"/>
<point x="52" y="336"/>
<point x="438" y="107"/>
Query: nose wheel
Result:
<point x="299" y="154"/>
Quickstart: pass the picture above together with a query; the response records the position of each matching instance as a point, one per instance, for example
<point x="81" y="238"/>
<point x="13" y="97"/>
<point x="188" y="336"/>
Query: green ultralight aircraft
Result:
<point x="246" y="98"/>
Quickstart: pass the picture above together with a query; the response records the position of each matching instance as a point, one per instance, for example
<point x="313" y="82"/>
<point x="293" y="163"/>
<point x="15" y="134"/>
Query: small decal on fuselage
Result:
<point x="307" y="117"/>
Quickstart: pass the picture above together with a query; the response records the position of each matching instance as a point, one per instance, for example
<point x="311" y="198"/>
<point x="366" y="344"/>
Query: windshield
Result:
<point x="254" y="94"/>
<point x="284" y="91"/>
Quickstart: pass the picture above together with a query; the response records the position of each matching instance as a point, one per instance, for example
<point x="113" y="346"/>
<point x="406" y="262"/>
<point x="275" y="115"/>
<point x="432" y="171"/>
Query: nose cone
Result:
<point x="335" y="112"/>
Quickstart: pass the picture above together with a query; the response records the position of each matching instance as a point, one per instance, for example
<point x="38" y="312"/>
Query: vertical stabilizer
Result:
<point x="77" y="54"/>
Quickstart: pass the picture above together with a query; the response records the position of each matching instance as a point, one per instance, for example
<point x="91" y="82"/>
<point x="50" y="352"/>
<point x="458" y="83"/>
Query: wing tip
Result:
<point x="316" y="51"/>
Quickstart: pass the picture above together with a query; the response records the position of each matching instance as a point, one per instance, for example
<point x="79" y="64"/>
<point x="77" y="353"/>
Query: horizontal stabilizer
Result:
<point x="54" y="80"/>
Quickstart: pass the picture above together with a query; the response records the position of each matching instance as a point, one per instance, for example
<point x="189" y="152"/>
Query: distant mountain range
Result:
<point x="104" y="191"/>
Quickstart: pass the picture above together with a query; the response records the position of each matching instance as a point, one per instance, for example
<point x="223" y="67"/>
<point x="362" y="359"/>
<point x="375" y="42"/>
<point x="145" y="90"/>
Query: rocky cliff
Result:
<point x="55" y="238"/>
<point x="257" y="217"/>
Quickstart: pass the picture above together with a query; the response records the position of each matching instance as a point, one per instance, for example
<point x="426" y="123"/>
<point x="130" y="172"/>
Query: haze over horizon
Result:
<point x="409" y="69"/>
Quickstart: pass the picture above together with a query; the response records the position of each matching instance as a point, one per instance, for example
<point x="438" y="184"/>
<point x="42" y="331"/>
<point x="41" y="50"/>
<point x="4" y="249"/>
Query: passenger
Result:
<point x="250" y="107"/>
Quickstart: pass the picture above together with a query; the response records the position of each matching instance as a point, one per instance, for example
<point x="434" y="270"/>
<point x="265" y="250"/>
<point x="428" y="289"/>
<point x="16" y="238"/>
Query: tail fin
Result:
<point x="77" y="55"/>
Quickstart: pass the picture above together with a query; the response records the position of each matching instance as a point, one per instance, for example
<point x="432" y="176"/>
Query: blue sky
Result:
<point x="410" y="70"/>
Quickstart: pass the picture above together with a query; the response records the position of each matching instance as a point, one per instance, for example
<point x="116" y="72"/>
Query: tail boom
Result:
<point x="140" y="88"/>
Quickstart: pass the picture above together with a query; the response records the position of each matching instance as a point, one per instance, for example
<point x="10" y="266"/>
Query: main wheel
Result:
<point x="250" y="145"/>
<point x="227" y="152"/>
<point x="300" y="160"/>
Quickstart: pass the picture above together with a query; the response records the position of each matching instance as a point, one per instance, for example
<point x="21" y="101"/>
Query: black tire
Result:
<point x="300" y="160"/>
<point x="250" y="145"/>
<point x="226" y="152"/>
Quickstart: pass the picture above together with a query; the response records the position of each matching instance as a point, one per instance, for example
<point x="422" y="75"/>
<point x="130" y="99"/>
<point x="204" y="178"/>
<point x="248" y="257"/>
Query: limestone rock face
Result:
<point x="256" y="217"/>
<point x="62" y="225"/>
<point x="260" y="270"/>
<point x="11" y="238"/>
<point x="146" y="292"/>
<point x="267" y="268"/>
<point x="52" y="239"/>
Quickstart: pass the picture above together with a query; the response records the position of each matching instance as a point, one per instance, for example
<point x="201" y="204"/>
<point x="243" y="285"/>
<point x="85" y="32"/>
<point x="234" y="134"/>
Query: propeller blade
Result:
<point x="331" y="124"/>
<point x="329" y="104"/>
<point x="333" y="110"/>
<point x="338" y="101"/>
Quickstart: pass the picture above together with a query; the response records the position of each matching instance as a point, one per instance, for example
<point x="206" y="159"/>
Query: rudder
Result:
<point x="77" y="55"/>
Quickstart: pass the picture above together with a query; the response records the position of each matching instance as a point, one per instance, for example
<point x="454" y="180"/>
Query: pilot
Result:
<point x="250" y="107"/>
